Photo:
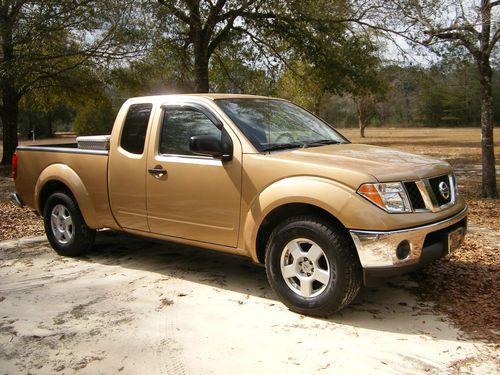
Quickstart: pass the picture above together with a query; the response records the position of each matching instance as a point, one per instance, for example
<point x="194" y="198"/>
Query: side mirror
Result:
<point x="208" y="145"/>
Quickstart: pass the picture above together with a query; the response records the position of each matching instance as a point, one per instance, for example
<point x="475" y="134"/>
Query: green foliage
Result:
<point x="45" y="43"/>
<point x="161" y="70"/>
<point x="300" y="85"/>
<point x="95" y="117"/>
<point x="401" y="105"/>
<point x="45" y="40"/>
<point x="44" y="123"/>
<point x="441" y="95"/>
<point x="235" y="68"/>
<point x="446" y="95"/>
<point x="270" y="32"/>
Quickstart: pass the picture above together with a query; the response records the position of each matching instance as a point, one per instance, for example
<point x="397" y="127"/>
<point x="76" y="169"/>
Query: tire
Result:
<point x="66" y="230"/>
<point x="312" y="266"/>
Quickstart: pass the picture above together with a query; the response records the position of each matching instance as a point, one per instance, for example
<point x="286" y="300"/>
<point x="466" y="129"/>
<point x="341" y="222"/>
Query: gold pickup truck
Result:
<point x="254" y="176"/>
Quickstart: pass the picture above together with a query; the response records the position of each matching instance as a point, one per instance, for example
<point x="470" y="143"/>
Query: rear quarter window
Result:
<point x="135" y="127"/>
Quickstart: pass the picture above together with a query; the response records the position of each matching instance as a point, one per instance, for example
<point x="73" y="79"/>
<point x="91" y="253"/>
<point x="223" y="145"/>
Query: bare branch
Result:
<point x="221" y="36"/>
<point x="175" y="11"/>
<point x="259" y="42"/>
<point x="459" y="37"/>
<point x="227" y="73"/>
<point x="238" y="11"/>
<point x="494" y="41"/>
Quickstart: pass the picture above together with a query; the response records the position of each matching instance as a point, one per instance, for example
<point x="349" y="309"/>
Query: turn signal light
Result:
<point x="389" y="196"/>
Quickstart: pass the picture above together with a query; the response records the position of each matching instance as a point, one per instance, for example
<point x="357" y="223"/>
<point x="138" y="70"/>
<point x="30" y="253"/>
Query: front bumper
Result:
<point x="377" y="250"/>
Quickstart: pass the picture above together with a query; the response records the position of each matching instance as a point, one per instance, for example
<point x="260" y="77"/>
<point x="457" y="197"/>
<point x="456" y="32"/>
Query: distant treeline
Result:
<point x="417" y="96"/>
<point x="440" y="95"/>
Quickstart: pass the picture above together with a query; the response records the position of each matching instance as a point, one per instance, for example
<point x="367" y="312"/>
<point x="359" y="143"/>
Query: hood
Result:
<point x="382" y="163"/>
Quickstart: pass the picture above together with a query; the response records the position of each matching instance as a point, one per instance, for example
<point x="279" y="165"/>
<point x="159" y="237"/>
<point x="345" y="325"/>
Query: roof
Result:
<point x="210" y="96"/>
<point x="214" y="96"/>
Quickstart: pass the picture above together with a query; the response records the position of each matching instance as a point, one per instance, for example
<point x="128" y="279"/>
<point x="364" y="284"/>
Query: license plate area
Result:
<point x="455" y="239"/>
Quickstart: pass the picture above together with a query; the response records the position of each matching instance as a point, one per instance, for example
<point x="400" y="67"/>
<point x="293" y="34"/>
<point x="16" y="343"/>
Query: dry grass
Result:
<point x="17" y="223"/>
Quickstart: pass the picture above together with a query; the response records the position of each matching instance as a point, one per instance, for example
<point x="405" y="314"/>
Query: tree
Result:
<point x="368" y="89"/>
<point x="41" y="40"/>
<point x="237" y="68"/>
<point x="365" y="110"/>
<point x="274" y="28"/>
<point x="400" y="105"/>
<point x="94" y="117"/>
<point x="364" y="86"/>
<point x="443" y="94"/>
<point x="480" y="44"/>
<point x="457" y="24"/>
<point x="301" y="85"/>
<point x="203" y="26"/>
<point x="164" y="68"/>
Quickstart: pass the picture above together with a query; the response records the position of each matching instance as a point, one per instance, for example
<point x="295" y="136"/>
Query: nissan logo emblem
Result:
<point x="444" y="190"/>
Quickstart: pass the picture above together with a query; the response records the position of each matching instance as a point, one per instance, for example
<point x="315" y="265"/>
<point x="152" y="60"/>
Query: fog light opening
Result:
<point x="403" y="250"/>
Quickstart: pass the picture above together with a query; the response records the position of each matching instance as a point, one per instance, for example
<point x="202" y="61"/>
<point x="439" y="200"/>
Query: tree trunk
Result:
<point x="50" y="131"/>
<point x="317" y="105"/>
<point x="489" y="182"/>
<point x="9" y="113"/>
<point x="362" y="130"/>
<point x="9" y="109"/>
<point x="362" y="116"/>
<point x="201" y="60"/>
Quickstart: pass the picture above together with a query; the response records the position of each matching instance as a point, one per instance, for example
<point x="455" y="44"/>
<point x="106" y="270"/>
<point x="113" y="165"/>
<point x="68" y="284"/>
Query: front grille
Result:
<point x="443" y="196"/>
<point x="414" y="195"/>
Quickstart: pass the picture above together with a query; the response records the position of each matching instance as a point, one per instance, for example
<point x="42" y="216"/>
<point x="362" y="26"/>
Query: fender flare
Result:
<point x="301" y="189"/>
<point x="67" y="176"/>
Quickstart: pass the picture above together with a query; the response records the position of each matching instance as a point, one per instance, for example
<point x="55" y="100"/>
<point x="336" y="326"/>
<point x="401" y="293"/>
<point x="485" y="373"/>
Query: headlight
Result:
<point x="391" y="196"/>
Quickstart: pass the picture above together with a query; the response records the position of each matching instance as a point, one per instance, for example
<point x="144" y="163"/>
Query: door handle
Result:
<point x="157" y="171"/>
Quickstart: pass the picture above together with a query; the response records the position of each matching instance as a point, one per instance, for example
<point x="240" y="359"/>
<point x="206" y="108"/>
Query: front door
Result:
<point x="190" y="196"/>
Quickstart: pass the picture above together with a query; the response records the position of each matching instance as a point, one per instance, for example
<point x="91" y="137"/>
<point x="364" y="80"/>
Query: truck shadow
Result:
<point x="390" y="307"/>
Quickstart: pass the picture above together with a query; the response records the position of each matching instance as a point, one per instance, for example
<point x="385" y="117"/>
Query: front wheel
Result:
<point x="311" y="265"/>
<point x="66" y="230"/>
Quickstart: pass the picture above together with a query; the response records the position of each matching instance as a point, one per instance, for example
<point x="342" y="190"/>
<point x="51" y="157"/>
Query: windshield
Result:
<point x="272" y="124"/>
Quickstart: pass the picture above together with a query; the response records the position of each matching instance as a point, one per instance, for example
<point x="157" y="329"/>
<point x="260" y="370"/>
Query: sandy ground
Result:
<point x="138" y="307"/>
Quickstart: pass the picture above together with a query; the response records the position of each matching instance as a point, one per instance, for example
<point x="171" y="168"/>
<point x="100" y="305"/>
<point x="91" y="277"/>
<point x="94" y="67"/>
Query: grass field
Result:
<point x="455" y="144"/>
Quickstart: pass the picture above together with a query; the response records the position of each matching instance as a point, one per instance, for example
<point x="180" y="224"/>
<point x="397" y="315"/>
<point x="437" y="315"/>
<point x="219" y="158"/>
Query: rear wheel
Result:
<point x="66" y="230"/>
<point x="312" y="267"/>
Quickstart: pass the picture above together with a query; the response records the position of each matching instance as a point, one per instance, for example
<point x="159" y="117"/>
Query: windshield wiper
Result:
<point x="322" y="142"/>
<point x="283" y="146"/>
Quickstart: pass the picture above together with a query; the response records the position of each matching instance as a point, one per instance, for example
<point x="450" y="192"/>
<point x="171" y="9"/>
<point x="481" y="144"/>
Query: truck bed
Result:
<point x="83" y="171"/>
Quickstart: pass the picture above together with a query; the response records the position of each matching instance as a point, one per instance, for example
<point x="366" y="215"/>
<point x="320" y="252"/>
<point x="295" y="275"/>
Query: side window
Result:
<point x="135" y="127"/>
<point x="179" y="125"/>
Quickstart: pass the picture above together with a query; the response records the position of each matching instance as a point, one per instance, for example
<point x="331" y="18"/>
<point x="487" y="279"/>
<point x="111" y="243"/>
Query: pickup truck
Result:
<point x="254" y="176"/>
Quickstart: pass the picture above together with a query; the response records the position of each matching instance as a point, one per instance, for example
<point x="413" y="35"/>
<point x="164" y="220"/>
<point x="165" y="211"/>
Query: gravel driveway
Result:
<point x="139" y="307"/>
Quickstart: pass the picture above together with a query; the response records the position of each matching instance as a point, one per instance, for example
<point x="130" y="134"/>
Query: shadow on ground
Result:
<point x="391" y="307"/>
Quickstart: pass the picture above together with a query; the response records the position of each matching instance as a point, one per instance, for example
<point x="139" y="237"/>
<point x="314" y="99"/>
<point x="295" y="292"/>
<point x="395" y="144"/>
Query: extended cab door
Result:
<point x="127" y="166"/>
<point x="191" y="196"/>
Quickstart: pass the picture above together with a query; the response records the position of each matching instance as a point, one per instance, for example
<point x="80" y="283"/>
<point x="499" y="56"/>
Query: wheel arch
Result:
<point x="293" y="196"/>
<point x="280" y="213"/>
<point x="60" y="177"/>
<point x="48" y="189"/>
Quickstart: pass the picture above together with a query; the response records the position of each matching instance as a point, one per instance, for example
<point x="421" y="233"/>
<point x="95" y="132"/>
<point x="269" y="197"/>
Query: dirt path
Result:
<point x="137" y="307"/>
